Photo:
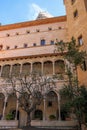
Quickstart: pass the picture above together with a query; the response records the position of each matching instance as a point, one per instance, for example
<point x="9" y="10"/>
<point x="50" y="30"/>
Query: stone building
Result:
<point x="30" y="46"/>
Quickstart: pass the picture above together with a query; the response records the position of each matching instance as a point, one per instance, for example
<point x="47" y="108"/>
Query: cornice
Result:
<point x="33" y="23"/>
<point x="32" y="56"/>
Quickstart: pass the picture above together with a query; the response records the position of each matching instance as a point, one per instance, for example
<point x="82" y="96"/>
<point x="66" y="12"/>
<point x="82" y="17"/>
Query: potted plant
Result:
<point x="52" y="117"/>
<point x="9" y="116"/>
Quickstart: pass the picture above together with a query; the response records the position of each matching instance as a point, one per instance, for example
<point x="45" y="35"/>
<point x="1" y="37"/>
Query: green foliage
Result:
<point x="74" y="96"/>
<point x="73" y="54"/>
<point x="9" y="116"/>
<point x="65" y="110"/>
<point x="52" y="117"/>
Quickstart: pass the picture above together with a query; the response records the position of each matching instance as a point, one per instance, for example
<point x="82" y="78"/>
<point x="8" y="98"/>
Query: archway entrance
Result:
<point x="38" y="114"/>
<point x="14" y="114"/>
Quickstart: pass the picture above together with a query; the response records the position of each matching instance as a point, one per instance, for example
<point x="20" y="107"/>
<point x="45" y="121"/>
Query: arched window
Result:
<point x="5" y="71"/>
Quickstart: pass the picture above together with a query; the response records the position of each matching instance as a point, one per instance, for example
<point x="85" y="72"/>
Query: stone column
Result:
<point x="17" y="105"/>
<point x="53" y="68"/>
<point x="31" y="67"/>
<point x="10" y="70"/>
<point x="44" y="111"/>
<point x="42" y="68"/>
<point x="5" y="101"/>
<point x="20" y="68"/>
<point x="59" y="107"/>
<point x="1" y="71"/>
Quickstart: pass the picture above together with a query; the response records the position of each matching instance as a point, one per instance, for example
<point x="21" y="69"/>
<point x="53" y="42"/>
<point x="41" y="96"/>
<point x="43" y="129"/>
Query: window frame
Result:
<point x="42" y="42"/>
<point x="75" y="14"/>
<point x="80" y="40"/>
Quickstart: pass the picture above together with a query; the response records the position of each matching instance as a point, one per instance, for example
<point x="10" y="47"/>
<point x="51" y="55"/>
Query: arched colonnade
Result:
<point x="46" y="68"/>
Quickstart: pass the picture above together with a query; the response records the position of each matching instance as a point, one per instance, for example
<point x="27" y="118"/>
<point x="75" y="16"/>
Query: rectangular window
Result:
<point x="34" y="44"/>
<point x="50" y="104"/>
<point x="25" y="45"/>
<point x="51" y="42"/>
<point x="15" y="47"/>
<point x="85" y="2"/>
<point x="84" y="66"/>
<point x="75" y="14"/>
<point x="7" y="47"/>
<point x="80" y="40"/>
<point x="73" y="1"/>
<point x="37" y="30"/>
<point x="42" y="42"/>
<point x="49" y="28"/>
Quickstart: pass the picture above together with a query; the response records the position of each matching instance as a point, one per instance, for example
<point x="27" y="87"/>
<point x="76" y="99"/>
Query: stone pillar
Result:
<point x="42" y="68"/>
<point x="10" y="70"/>
<point x="59" y="107"/>
<point x="5" y="101"/>
<point x="1" y="71"/>
<point x="20" y="68"/>
<point x="53" y="68"/>
<point x="31" y="68"/>
<point x="44" y="111"/>
<point x="17" y="105"/>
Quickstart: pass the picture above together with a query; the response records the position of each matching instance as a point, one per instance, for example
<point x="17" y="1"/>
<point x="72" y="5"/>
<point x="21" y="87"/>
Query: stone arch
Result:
<point x="16" y="69"/>
<point x="59" y="67"/>
<point x="48" y="67"/>
<point x="2" y="98"/>
<point x="26" y="68"/>
<point x="11" y="103"/>
<point x="5" y="71"/>
<point x="52" y="104"/>
<point x="37" y="67"/>
<point x="13" y="111"/>
<point x="38" y="114"/>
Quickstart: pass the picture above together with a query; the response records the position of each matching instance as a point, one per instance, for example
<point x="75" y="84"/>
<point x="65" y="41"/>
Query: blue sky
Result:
<point x="14" y="11"/>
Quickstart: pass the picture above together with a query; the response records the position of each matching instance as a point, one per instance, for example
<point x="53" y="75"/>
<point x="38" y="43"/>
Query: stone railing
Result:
<point x="8" y="124"/>
<point x="59" y="124"/>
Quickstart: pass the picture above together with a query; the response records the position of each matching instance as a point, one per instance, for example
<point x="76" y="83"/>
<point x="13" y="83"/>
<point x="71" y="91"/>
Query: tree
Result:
<point x="74" y="94"/>
<point x="30" y="91"/>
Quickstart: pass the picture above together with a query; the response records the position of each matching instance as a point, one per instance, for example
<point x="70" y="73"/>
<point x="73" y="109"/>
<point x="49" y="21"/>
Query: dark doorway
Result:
<point x="14" y="113"/>
<point x="38" y="114"/>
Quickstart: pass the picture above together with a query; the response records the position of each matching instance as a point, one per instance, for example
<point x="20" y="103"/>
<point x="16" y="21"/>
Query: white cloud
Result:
<point x="34" y="10"/>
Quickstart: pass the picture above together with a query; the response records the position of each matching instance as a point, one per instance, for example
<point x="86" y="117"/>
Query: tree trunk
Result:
<point x="28" y="119"/>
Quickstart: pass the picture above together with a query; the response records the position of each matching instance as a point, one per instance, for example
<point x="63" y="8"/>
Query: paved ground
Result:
<point x="35" y="128"/>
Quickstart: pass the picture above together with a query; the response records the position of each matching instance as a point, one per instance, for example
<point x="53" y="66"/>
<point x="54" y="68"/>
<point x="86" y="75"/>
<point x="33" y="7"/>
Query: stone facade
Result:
<point x="30" y="46"/>
<point x="77" y="26"/>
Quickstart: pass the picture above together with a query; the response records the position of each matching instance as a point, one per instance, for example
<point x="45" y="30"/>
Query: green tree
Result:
<point x="75" y="95"/>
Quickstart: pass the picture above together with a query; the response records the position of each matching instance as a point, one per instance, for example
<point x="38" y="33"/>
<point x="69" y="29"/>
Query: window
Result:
<point x="8" y="35"/>
<point x="17" y="33"/>
<point x="84" y="65"/>
<point x="73" y="1"/>
<point x="80" y="40"/>
<point x="75" y="14"/>
<point x="15" y="46"/>
<point x="28" y="31"/>
<point x="49" y="28"/>
<point x="60" y="27"/>
<point x="25" y="45"/>
<point x="7" y="47"/>
<point x="34" y="44"/>
<point x="42" y="42"/>
<point x="49" y="104"/>
<point x="85" y="2"/>
<point x="37" y="30"/>
<point x="51" y="42"/>
<point x="1" y="46"/>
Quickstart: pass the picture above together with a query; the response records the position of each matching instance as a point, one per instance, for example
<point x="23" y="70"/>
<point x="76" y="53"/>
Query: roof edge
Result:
<point x="33" y="23"/>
